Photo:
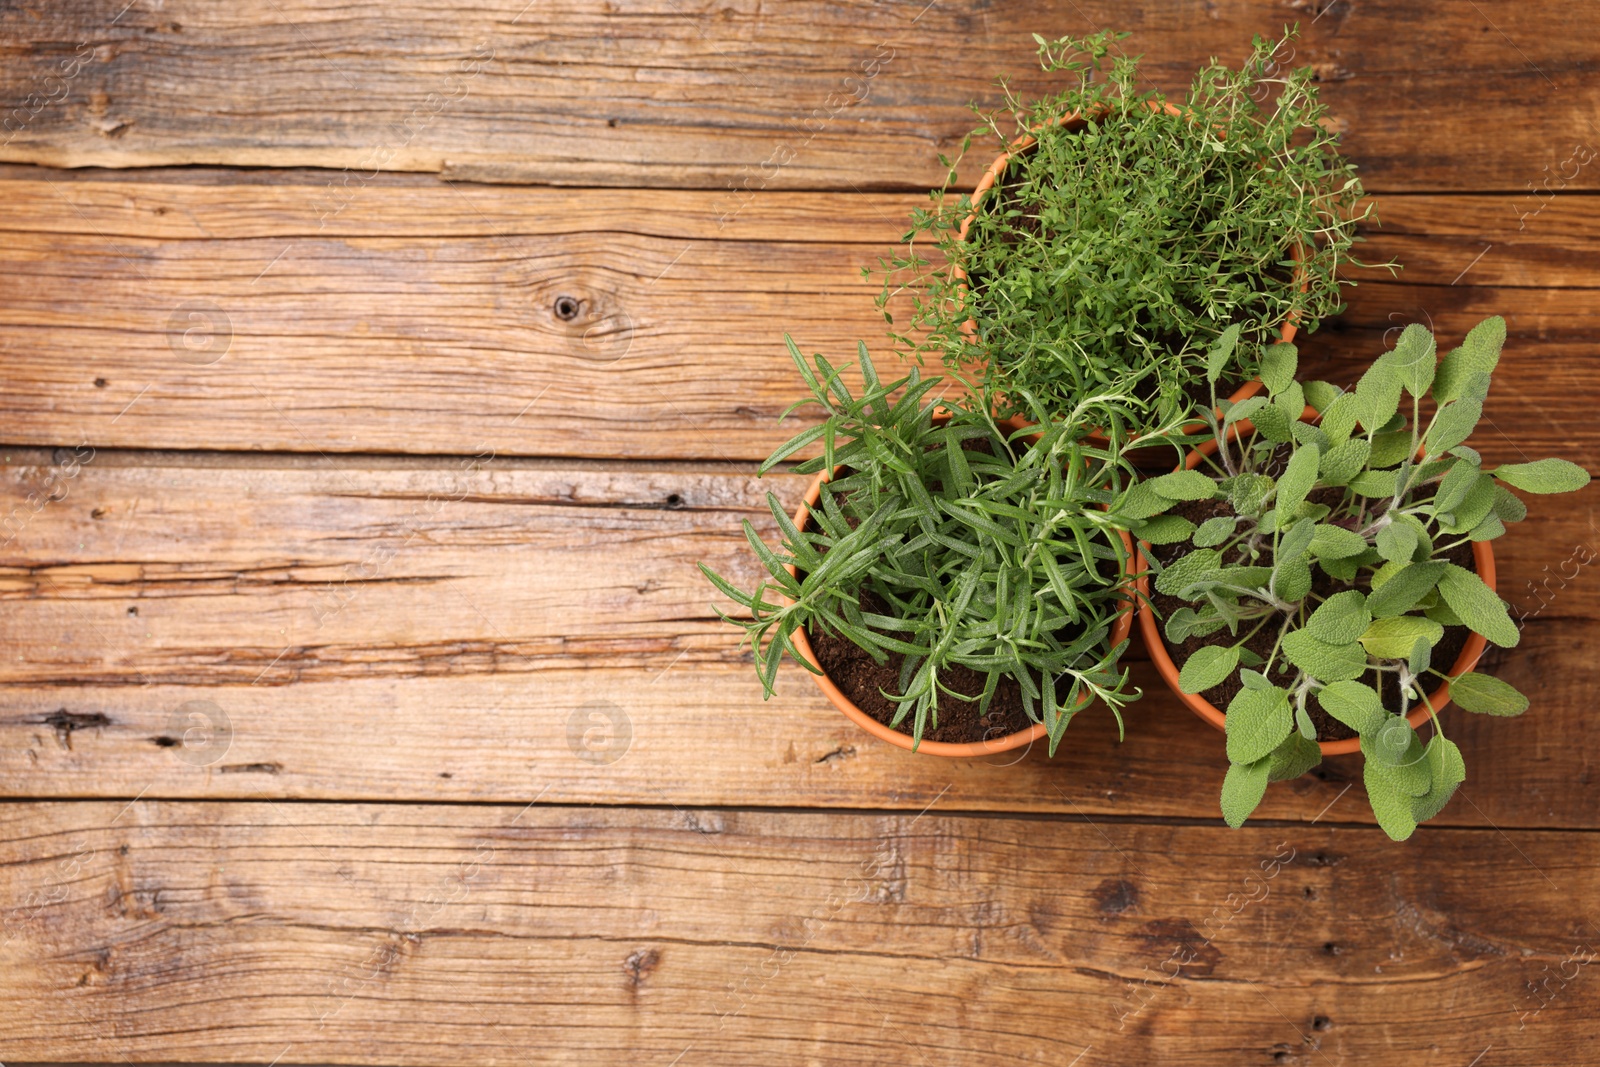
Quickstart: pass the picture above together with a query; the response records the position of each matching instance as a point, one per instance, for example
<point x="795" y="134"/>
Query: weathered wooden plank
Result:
<point x="488" y="634"/>
<point x="745" y="96"/>
<point x="219" y="315"/>
<point x="346" y="933"/>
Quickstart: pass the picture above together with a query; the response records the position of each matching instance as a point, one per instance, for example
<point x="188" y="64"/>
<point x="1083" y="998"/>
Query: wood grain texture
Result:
<point x="428" y="318"/>
<point x="746" y="96"/>
<point x="477" y="935"/>
<point x="504" y="632"/>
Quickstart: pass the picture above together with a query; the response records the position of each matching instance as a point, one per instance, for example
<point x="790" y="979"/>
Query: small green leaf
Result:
<point x="1389" y="449"/>
<point x="1184" y="485"/>
<point x="1354" y="704"/>
<point x="1340" y="417"/>
<point x="1207" y="667"/>
<point x="1401" y="589"/>
<point x="1298" y="478"/>
<point x="1394" y="638"/>
<point x="1140" y="501"/>
<point x="1478" y="354"/>
<point x="1487" y="695"/>
<point x="1186" y="622"/>
<point x="1374" y="483"/>
<point x="1247" y="492"/>
<point x="1272" y="423"/>
<point x="1291" y="581"/>
<point x="1453" y="424"/>
<point x="1257" y="722"/>
<point x="1378" y="395"/>
<point x="1320" y="394"/>
<point x="1508" y="507"/>
<point x="1344" y="461"/>
<point x="1214" y="531"/>
<point x="1293" y="758"/>
<point x="1165" y="529"/>
<point x="1341" y="619"/>
<point x="1221" y="352"/>
<point x="1324" y="660"/>
<point x="1242" y="789"/>
<point x="1278" y="365"/>
<point x="1186" y="569"/>
<point x="1477" y="605"/>
<point x="1391" y="805"/>
<point x="1446" y="770"/>
<point x="1335" y="542"/>
<point x="1397" y="542"/>
<point x="1421" y="656"/>
<point x="1543" y="476"/>
<point x="1414" y="358"/>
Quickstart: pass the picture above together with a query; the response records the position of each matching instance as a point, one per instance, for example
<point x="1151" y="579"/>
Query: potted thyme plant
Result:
<point x="1120" y="235"/>
<point x="1329" y="579"/>
<point x="952" y="581"/>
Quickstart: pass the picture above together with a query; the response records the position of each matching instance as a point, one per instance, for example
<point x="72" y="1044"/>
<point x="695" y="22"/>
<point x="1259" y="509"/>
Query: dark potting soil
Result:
<point x="1328" y="728"/>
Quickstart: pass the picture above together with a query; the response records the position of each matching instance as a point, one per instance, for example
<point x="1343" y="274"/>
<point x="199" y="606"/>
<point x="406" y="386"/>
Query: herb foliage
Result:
<point x="1353" y="589"/>
<point x="988" y="550"/>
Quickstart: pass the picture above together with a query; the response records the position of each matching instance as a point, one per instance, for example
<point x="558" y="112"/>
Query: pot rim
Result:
<point x="1121" y="629"/>
<point x="1155" y="640"/>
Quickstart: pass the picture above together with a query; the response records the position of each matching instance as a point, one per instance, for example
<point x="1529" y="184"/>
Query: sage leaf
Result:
<point x="1242" y="789"/>
<point x="1414" y="359"/>
<point x="1487" y="695"/>
<point x="1354" y="704"/>
<point x="1214" y="531"/>
<point x="1293" y="758"/>
<point x="1401" y="590"/>
<point x="1394" y="638"/>
<point x="1543" y="476"/>
<point x="1477" y="605"/>
<point x="1257" y="722"/>
<point x="1207" y="667"/>
<point x="1184" y="485"/>
<point x="1324" y="660"/>
<point x="1341" y="619"/>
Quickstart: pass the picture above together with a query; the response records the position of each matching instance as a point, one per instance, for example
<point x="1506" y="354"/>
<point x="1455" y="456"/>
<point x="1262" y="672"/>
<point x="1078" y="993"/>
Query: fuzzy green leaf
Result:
<point x="1271" y="423"/>
<point x="1140" y="501"/>
<point x="1341" y="619"/>
<point x="1291" y="581"/>
<point x="1414" y="358"/>
<point x="1452" y="425"/>
<point x="1487" y="695"/>
<point x="1165" y="529"/>
<point x="1186" y="622"/>
<point x="1354" y="704"/>
<point x="1214" y="531"/>
<point x="1397" y="542"/>
<point x="1378" y="395"/>
<point x="1390" y="804"/>
<point x="1340" y="417"/>
<point x="1508" y="507"/>
<point x="1278" y="365"/>
<point x="1393" y="638"/>
<point x="1344" y="461"/>
<point x="1389" y="449"/>
<point x="1184" y="485"/>
<point x="1257" y="722"/>
<point x="1543" y="476"/>
<point x="1298" y="478"/>
<point x="1242" y="789"/>
<point x="1335" y="542"/>
<point x="1247" y="492"/>
<point x="1186" y="569"/>
<point x="1402" y="589"/>
<point x="1293" y="758"/>
<point x="1221" y="352"/>
<point x="1446" y="770"/>
<point x="1374" y="483"/>
<point x="1478" y="354"/>
<point x="1207" y="667"/>
<point x="1477" y="605"/>
<point x="1324" y="660"/>
<point x="1320" y="394"/>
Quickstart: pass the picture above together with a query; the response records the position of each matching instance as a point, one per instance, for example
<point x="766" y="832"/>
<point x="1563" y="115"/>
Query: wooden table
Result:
<point x="373" y="376"/>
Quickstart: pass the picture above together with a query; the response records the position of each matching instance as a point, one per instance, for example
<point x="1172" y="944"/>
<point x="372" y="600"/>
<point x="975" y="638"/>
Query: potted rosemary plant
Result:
<point x="1328" y="578"/>
<point x="952" y="581"/>
<point x="1119" y="235"/>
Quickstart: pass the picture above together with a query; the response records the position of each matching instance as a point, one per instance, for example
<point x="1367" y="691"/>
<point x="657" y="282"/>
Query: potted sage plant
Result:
<point x="1323" y="571"/>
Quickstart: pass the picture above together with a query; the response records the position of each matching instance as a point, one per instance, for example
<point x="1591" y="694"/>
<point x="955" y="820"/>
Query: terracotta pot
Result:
<point x="1150" y="628"/>
<point x="1120" y="629"/>
<point x="1074" y="121"/>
